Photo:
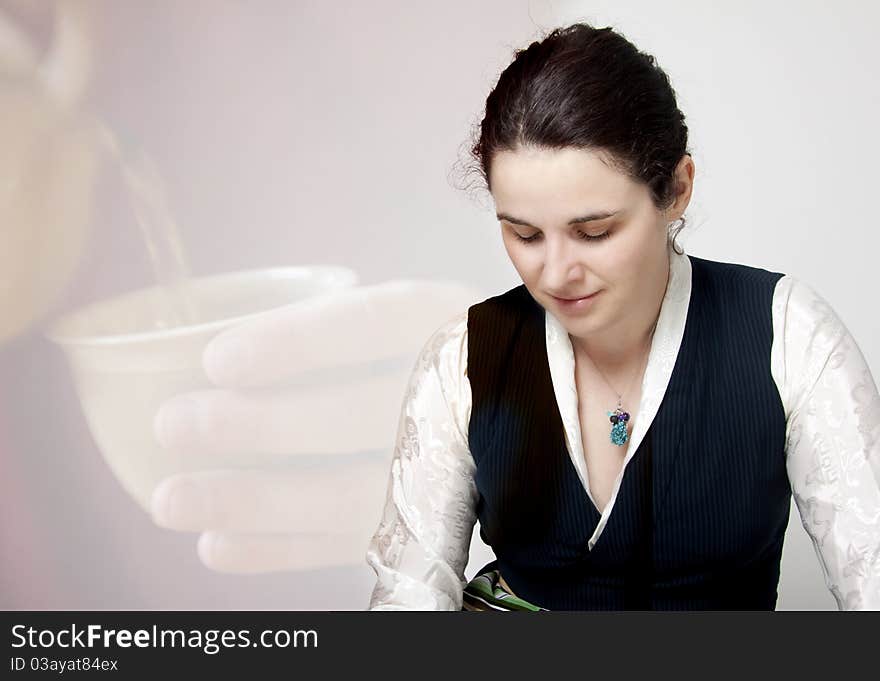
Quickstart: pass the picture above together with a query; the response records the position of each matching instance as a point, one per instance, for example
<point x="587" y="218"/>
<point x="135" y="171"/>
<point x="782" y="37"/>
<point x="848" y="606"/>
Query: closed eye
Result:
<point x="581" y="235"/>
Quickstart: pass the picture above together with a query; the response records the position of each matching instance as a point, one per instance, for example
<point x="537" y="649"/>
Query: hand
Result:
<point x="309" y="394"/>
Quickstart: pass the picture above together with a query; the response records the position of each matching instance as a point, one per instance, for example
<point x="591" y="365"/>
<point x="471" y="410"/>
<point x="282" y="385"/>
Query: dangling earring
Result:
<point x="673" y="233"/>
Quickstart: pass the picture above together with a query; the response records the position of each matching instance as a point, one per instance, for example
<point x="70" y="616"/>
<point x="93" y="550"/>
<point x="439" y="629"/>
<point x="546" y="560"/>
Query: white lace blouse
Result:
<point x="832" y="443"/>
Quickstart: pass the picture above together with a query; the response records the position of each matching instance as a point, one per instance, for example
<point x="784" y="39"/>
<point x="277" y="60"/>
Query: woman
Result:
<point x="630" y="423"/>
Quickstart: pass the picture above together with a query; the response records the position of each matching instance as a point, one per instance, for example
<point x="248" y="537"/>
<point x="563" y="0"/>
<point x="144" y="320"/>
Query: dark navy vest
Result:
<point x="701" y="513"/>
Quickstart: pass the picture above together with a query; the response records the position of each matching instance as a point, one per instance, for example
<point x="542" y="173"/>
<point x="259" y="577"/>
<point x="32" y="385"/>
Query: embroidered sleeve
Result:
<point x="420" y="548"/>
<point x="832" y="444"/>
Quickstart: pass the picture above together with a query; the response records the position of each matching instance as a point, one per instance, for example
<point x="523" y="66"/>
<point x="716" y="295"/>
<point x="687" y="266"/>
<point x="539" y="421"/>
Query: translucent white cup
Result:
<point x="124" y="367"/>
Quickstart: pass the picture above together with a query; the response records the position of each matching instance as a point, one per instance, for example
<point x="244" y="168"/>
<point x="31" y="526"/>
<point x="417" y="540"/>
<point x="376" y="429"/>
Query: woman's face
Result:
<point x="591" y="230"/>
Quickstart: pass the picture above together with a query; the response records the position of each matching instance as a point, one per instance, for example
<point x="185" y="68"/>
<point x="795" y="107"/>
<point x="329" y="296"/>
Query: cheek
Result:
<point x="513" y="252"/>
<point x="523" y="257"/>
<point x="614" y="265"/>
<point x="628" y="257"/>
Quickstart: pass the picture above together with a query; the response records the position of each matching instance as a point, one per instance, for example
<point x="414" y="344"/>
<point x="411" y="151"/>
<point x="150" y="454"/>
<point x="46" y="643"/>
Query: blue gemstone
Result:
<point x="618" y="433"/>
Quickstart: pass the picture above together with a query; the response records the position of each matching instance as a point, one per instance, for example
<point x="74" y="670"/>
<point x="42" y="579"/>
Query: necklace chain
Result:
<point x="620" y="395"/>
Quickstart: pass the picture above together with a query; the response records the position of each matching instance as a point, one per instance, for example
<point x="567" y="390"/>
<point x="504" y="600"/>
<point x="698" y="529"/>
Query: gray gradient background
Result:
<point x="326" y="132"/>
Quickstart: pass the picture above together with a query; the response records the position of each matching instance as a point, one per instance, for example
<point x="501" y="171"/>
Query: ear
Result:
<point x="683" y="179"/>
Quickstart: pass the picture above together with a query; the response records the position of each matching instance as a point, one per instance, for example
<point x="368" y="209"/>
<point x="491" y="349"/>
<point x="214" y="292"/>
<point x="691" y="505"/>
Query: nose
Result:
<point x="563" y="265"/>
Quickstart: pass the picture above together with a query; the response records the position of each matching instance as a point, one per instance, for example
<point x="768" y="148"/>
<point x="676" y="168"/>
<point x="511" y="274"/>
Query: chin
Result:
<point x="581" y="327"/>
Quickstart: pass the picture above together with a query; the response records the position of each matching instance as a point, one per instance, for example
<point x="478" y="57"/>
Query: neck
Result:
<point x="621" y="347"/>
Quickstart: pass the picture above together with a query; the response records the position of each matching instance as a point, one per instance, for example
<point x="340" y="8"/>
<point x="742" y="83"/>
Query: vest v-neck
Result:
<point x="661" y="361"/>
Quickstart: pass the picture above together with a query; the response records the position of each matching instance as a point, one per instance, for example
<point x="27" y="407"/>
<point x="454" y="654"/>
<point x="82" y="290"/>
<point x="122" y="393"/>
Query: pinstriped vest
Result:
<point x="701" y="513"/>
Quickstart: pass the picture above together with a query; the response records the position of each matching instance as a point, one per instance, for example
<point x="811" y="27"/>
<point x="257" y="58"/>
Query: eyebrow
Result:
<point x="590" y="217"/>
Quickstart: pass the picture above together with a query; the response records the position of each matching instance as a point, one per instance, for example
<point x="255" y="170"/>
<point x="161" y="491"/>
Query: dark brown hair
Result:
<point x="588" y="88"/>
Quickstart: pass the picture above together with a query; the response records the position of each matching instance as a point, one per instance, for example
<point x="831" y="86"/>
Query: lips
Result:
<point x="569" y="306"/>
<point x="576" y="297"/>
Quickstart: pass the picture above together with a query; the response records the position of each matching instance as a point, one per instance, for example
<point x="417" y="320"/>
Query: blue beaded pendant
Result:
<point x="619" y="435"/>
